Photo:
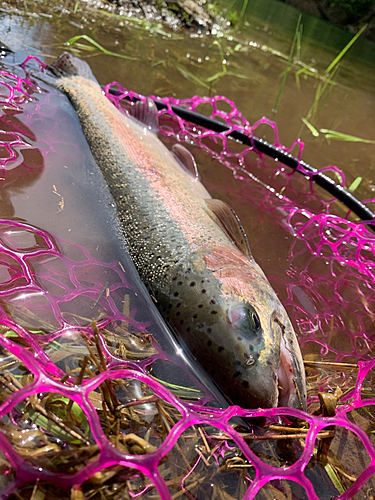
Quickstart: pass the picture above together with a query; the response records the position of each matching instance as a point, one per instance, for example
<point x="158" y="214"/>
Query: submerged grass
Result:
<point x="139" y="424"/>
<point x="340" y="136"/>
<point x="334" y="134"/>
<point x="74" y="42"/>
<point x="211" y="80"/>
<point x="296" y="46"/>
<point x="325" y="86"/>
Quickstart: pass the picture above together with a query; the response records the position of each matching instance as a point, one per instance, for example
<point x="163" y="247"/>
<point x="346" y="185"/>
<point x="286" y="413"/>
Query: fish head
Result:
<point x="260" y="341"/>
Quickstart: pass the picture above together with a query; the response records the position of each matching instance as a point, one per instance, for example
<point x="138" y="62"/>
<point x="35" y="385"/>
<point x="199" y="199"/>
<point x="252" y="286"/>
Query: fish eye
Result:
<point x="244" y="318"/>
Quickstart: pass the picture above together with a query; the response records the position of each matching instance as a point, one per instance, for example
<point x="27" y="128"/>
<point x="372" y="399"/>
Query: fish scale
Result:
<point x="216" y="299"/>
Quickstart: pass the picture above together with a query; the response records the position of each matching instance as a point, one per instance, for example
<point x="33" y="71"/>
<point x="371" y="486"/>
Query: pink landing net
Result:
<point x="327" y="288"/>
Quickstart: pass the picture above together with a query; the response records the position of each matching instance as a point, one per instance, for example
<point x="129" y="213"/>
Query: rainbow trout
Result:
<point x="190" y="251"/>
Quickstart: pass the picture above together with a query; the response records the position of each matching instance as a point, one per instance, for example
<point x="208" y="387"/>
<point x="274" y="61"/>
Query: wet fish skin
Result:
<point x="217" y="299"/>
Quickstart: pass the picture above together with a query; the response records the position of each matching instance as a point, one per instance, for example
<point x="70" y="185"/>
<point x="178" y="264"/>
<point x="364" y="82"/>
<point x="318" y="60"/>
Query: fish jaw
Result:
<point x="291" y="372"/>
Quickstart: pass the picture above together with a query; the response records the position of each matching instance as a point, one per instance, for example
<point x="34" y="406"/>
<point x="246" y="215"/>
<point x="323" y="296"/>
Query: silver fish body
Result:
<point x="217" y="299"/>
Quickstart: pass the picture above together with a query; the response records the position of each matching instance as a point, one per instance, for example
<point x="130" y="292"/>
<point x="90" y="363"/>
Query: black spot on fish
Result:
<point x="209" y="330"/>
<point x="169" y="306"/>
<point x="203" y="291"/>
<point x="212" y="301"/>
<point x="209" y="343"/>
<point x="251" y="347"/>
<point x="239" y="338"/>
<point x="220" y="349"/>
<point x="178" y="313"/>
<point x="213" y="312"/>
<point x="175" y="294"/>
<point x="236" y="374"/>
<point x="200" y="306"/>
<point x="195" y="316"/>
<point x="179" y="283"/>
<point x="237" y="363"/>
<point x="245" y="384"/>
<point x="182" y="322"/>
<point x="192" y="283"/>
<point x="174" y="278"/>
<point x="188" y="329"/>
<point x="178" y="305"/>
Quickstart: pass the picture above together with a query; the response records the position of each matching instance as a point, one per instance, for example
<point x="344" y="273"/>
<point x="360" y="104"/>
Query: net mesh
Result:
<point x="81" y="415"/>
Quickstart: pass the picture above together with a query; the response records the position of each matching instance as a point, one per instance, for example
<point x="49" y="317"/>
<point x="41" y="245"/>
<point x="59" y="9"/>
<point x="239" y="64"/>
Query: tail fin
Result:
<point x="71" y="65"/>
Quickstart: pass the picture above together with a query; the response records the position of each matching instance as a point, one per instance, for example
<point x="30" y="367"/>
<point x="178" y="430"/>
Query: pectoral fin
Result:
<point x="228" y="220"/>
<point x="145" y="112"/>
<point x="186" y="160"/>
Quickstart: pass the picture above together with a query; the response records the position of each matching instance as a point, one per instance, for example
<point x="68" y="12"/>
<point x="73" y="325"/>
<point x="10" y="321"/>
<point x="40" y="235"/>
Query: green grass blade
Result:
<point x="243" y="10"/>
<point x="327" y="94"/>
<point x="355" y="184"/>
<point x="74" y="40"/>
<point x="181" y="391"/>
<point x="84" y="46"/>
<point x="311" y="127"/>
<point x="191" y="76"/>
<point x="289" y="65"/>
<point x="340" y="136"/>
<point x="345" y="49"/>
<point x="334" y="478"/>
<point x="321" y="88"/>
<point x="214" y="77"/>
<point x="300" y="72"/>
<point x="299" y="42"/>
<point x="332" y="475"/>
<point x="10" y="333"/>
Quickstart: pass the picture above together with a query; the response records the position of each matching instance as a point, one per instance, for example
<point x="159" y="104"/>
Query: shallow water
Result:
<point x="330" y="304"/>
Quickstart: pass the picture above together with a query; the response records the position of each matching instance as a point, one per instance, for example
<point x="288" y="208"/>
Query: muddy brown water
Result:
<point x="256" y="57"/>
<point x="255" y="60"/>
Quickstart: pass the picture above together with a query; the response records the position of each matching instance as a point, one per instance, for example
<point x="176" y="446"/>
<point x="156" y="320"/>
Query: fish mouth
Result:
<point x="289" y="394"/>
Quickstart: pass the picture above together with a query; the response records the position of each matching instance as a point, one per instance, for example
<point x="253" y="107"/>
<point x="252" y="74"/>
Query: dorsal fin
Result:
<point x="145" y="112"/>
<point x="186" y="160"/>
<point x="228" y="220"/>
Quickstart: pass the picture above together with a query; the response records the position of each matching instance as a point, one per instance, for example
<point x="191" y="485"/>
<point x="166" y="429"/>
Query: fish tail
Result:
<point x="67" y="64"/>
